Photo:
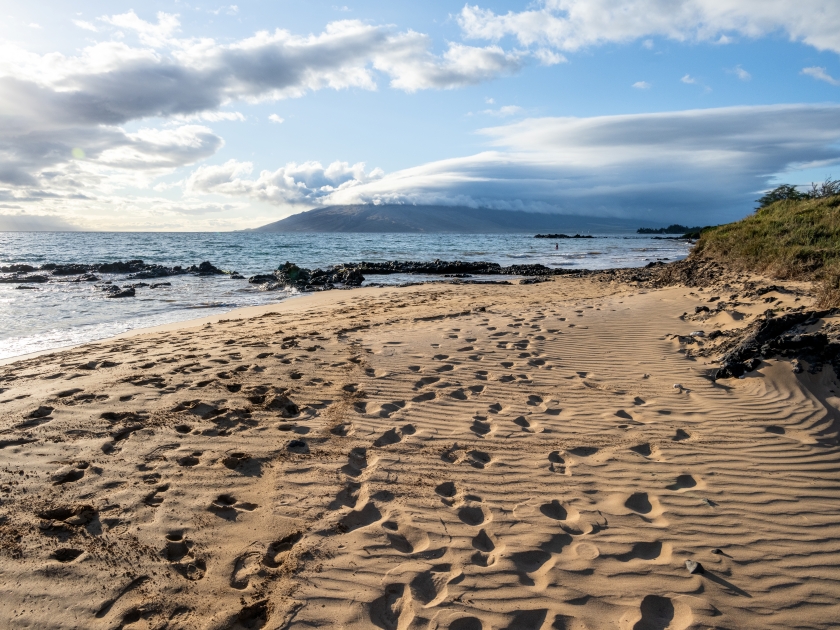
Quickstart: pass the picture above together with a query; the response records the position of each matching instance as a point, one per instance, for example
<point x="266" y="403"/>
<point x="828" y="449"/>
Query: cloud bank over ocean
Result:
<point x="133" y="129"/>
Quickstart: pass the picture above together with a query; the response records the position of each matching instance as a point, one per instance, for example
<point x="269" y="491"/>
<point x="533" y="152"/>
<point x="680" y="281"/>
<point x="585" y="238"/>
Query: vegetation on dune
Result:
<point x="792" y="235"/>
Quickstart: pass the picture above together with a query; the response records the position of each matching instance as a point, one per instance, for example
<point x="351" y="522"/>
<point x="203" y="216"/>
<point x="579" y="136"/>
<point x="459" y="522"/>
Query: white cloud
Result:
<point x="276" y="119"/>
<point x="504" y="111"/>
<point x="648" y="43"/>
<point x="34" y="25"/>
<point x="742" y="74"/>
<point x="641" y="85"/>
<point x="689" y="79"/>
<point x="820" y="74"/>
<point x="307" y="183"/>
<point x="86" y="25"/>
<point x="413" y="68"/>
<point x="490" y="101"/>
<point x="570" y="25"/>
<point x="150" y="34"/>
<point x="55" y="107"/>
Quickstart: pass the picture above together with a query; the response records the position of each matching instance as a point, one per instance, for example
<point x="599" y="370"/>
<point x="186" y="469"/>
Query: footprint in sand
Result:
<point x="190" y="460"/>
<point x="642" y="449"/>
<point x="554" y="510"/>
<point x="388" y="409"/>
<point x="406" y="538"/>
<point x="229" y="508"/>
<point x="356" y="519"/>
<point x="642" y="551"/>
<point x="478" y="459"/>
<point x="66" y="554"/>
<point x="180" y="553"/>
<point x="639" y="502"/>
<point x="556" y="463"/>
<point x="393" y="609"/>
<point x="659" y="613"/>
<point x="522" y="422"/>
<point x="426" y="380"/>
<point x="424" y="397"/>
<point x="430" y="587"/>
<point x="278" y="551"/>
<point x="392" y="436"/>
<point x="357" y="462"/>
<point x="245" y="567"/>
<point x="683" y="482"/>
<point x="480" y="426"/>
<point x="70" y="476"/>
<point x="473" y="515"/>
<point x="467" y="623"/>
<point x="447" y="492"/>
<point x="154" y="499"/>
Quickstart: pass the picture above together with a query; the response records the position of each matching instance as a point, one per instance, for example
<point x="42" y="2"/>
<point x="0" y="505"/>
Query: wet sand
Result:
<point x="438" y="456"/>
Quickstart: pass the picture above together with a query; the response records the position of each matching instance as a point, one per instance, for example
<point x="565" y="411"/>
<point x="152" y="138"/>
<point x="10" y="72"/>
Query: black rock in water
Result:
<point x="205" y="269"/>
<point x="120" y="293"/>
<point x="17" y="278"/>
<point x="17" y="268"/>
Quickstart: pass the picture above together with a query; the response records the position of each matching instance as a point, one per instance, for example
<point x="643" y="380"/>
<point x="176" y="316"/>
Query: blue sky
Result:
<point x="197" y="116"/>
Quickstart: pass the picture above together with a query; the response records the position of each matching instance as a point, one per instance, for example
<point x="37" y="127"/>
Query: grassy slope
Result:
<point x="796" y="240"/>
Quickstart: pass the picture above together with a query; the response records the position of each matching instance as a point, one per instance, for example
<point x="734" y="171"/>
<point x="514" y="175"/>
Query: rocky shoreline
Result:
<point x="738" y="352"/>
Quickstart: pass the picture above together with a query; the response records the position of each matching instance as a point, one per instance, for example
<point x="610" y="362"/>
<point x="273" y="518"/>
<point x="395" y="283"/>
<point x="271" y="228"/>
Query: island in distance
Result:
<point x="443" y="219"/>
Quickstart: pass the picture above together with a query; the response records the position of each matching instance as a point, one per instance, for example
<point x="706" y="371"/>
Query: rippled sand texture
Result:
<point x="460" y="457"/>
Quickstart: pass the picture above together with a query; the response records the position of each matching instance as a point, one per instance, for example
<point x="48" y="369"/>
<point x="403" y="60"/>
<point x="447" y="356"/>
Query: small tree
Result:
<point x="828" y="188"/>
<point x="785" y="191"/>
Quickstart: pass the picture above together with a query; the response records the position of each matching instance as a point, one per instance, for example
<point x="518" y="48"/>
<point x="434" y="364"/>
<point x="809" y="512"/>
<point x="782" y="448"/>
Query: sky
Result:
<point x="209" y="117"/>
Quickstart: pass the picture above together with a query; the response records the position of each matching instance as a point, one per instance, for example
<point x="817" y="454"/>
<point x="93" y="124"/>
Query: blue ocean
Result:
<point x="58" y="314"/>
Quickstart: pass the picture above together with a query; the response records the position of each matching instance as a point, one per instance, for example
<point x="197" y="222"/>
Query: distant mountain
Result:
<point x="34" y="223"/>
<point x="441" y="219"/>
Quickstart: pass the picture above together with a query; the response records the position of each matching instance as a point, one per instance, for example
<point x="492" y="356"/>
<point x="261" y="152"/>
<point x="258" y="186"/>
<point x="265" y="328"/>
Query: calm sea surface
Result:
<point x="62" y="314"/>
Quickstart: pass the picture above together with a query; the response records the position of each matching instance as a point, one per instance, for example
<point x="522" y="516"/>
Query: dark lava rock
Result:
<point x="157" y="285"/>
<point x="121" y="293"/>
<point x="771" y="336"/>
<point x="205" y="269"/>
<point x="157" y="271"/>
<point x="17" y="268"/>
<point x="17" y="278"/>
<point x="24" y="286"/>
<point x="262" y="278"/>
<point x="236" y="276"/>
<point x="701" y="309"/>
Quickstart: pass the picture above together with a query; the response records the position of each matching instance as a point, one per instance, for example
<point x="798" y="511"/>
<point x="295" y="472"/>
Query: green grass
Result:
<point x="792" y="240"/>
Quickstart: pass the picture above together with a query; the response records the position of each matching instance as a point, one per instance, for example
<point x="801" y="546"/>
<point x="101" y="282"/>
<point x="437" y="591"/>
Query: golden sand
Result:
<point x="440" y="456"/>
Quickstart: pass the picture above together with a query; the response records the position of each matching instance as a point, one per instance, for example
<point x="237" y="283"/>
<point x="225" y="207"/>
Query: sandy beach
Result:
<point x="525" y="456"/>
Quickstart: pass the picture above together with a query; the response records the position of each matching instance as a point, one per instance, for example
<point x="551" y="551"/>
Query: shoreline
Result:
<point x="434" y="456"/>
<point x="194" y="322"/>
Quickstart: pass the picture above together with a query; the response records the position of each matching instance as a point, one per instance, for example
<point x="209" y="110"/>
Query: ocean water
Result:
<point x="63" y="314"/>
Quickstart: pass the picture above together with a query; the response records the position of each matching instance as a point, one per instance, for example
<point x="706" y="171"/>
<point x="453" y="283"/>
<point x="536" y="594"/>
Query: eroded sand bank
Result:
<point x="466" y="457"/>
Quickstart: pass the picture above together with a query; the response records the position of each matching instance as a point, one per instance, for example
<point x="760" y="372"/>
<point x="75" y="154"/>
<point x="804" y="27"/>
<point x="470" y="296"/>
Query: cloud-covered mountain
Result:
<point x="441" y="219"/>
